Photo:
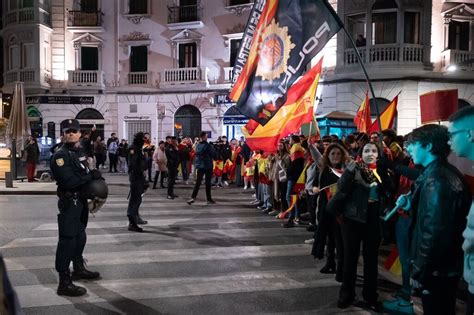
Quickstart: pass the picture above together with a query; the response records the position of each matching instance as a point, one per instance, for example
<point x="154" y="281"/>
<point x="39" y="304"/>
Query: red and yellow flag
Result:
<point x="294" y="199"/>
<point x="362" y="119"/>
<point x="297" y="110"/>
<point x="387" y="117"/>
<point x="392" y="263"/>
<point x="299" y="185"/>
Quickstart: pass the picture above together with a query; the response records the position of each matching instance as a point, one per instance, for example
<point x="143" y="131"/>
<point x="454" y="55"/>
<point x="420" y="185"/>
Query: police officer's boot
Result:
<point x="80" y="271"/>
<point x="132" y="225"/>
<point x="140" y="221"/>
<point x="66" y="287"/>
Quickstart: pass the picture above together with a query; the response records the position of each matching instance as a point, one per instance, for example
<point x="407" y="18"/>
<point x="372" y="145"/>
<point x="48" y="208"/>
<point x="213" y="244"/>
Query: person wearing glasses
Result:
<point x="461" y="131"/>
<point x="438" y="205"/>
<point x="71" y="171"/>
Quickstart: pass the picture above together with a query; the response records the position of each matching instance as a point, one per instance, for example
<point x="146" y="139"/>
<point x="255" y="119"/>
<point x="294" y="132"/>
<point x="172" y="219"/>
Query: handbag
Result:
<point x="282" y="177"/>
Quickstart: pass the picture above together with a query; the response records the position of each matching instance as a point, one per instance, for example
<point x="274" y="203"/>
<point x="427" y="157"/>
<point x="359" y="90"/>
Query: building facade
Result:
<point x="165" y="66"/>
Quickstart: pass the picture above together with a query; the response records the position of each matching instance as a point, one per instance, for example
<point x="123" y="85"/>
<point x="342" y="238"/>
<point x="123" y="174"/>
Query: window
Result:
<point x="27" y="3"/>
<point x="458" y="35"/>
<point x="356" y="26"/>
<point x="188" y="11"/>
<point x="412" y="28"/>
<point x="234" y="50"/>
<point x="138" y="6"/>
<point x="12" y="4"/>
<point x="187" y="55"/>
<point x="139" y="59"/>
<point x="238" y="2"/>
<point x="89" y="58"/>
<point x="384" y="28"/>
<point x="28" y="56"/>
<point x="86" y="5"/>
<point x="14" y="58"/>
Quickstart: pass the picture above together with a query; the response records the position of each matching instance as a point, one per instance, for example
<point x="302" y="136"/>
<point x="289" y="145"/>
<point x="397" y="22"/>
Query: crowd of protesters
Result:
<point x="339" y="190"/>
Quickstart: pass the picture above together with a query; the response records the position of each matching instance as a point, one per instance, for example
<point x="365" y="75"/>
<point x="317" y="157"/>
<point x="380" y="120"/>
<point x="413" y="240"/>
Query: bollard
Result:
<point x="8" y="180"/>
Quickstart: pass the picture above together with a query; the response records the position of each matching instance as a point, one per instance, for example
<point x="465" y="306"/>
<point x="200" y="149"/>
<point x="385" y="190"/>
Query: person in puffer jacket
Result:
<point x="461" y="131"/>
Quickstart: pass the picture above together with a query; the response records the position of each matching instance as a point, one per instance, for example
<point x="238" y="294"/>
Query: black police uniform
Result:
<point x="172" y="157"/>
<point x="137" y="165"/>
<point x="70" y="169"/>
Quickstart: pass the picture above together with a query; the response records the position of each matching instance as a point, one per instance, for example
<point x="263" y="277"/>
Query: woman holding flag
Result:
<point x="362" y="192"/>
<point x="328" y="233"/>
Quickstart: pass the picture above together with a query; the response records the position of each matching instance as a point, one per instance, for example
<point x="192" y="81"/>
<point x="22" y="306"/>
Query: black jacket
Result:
<point x="294" y="169"/>
<point x="352" y="196"/>
<point x="172" y="155"/>
<point x="440" y="204"/>
<point x="136" y="163"/>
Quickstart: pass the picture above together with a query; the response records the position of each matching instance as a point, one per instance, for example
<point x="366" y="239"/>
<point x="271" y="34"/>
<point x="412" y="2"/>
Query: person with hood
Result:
<point x="137" y="165"/>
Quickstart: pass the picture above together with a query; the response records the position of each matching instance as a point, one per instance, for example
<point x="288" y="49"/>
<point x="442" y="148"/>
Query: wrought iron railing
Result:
<point x="84" y="18"/>
<point x="184" y="13"/>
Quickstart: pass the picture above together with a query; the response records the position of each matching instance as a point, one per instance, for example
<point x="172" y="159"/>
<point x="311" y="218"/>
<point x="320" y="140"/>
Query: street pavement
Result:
<point x="199" y="259"/>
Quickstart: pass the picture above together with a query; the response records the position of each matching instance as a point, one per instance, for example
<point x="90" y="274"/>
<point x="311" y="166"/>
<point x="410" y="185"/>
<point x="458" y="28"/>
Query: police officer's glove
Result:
<point x="96" y="174"/>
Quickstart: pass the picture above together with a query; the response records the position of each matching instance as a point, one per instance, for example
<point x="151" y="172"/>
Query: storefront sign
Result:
<point x="235" y="120"/>
<point x="222" y="99"/>
<point x="137" y="117"/>
<point x="86" y="100"/>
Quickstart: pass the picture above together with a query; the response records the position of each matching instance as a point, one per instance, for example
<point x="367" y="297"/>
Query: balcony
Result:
<point x="451" y="57"/>
<point x="31" y="15"/>
<point x="143" y="79"/>
<point x="184" y="76"/>
<point x="228" y="74"/>
<point x="82" y="21"/>
<point x="86" y="79"/>
<point x="186" y="16"/>
<point x="238" y="6"/>
<point x="386" y="54"/>
<point x="26" y="76"/>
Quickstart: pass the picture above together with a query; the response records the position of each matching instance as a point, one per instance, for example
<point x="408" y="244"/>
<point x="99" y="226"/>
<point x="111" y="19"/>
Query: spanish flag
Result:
<point x="392" y="263"/>
<point x="387" y="117"/>
<point x="299" y="185"/>
<point x="298" y="110"/>
<point x="294" y="199"/>
<point x="362" y="119"/>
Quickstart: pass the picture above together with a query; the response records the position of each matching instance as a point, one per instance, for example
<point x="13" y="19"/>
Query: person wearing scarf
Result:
<point x="362" y="192"/>
<point x="328" y="233"/>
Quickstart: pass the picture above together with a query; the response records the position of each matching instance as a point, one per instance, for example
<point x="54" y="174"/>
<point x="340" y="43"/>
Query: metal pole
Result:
<point x="365" y="73"/>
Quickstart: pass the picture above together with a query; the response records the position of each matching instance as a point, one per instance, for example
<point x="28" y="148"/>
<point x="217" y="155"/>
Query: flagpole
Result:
<point x="359" y="58"/>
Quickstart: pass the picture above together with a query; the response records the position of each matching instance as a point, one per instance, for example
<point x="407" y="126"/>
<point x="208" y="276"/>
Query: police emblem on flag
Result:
<point x="274" y="52"/>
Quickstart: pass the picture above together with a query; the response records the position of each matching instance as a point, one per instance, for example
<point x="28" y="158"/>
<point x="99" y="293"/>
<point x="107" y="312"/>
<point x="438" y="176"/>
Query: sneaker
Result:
<point x="226" y="183"/>
<point x="309" y="241"/>
<point x="274" y="212"/>
<point x="398" y="306"/>
<point x="253" y="187"/>
<point x="190" y="201"/>
<point x="254" y="195"/>
<point x="261" y="208"/>
<point x="245" y="187"/>
<point x="170" y="197"/>
<point x="256" y="201"/>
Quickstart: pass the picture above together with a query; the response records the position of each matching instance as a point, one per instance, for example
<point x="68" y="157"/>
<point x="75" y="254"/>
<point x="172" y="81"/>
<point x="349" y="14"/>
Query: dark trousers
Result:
<point x="439" y="295"/>
<point x="200" y="175"/>
<point x="162" y="178"/>
<point x="113" y="159"/>
<point x="185" y="170"/>
<point x="135" y="199"/>
<point x="172" y="172"/>
<point x="149" y="165"/>
<point x="311" y="202"/>
<point x="283" y="187"/>
<point x="72" y="222"/>
<point x="353" y="233"/>
<point x="470" y="303"/>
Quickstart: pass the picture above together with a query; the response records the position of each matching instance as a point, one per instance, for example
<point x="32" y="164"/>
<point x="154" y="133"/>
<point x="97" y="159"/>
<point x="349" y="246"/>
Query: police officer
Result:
<point x="172" y="157"/>
<point x="137" y="165"/>
<point x="70" y="169"/>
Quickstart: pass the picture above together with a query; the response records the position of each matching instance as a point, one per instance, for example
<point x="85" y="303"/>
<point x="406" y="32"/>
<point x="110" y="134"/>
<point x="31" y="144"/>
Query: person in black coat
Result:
<point x="138" y="184"/>
<point x="172" y="157"/>
<point x="361" y="197"/>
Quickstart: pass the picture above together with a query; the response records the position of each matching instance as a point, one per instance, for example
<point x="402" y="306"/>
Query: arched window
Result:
<point x="384" y="22"/>
<point x="89" y="113"/>
<point x="187" y="121"/>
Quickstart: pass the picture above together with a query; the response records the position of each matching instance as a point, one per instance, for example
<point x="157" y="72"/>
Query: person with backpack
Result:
<point x="113" y="155"/>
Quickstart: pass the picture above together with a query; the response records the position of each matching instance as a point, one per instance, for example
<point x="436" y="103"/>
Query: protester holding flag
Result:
<point x="328" y="233"/>
<point x="282" y="161"/>
<point x="361" y="195"/>
<point x="295" y="169"/>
